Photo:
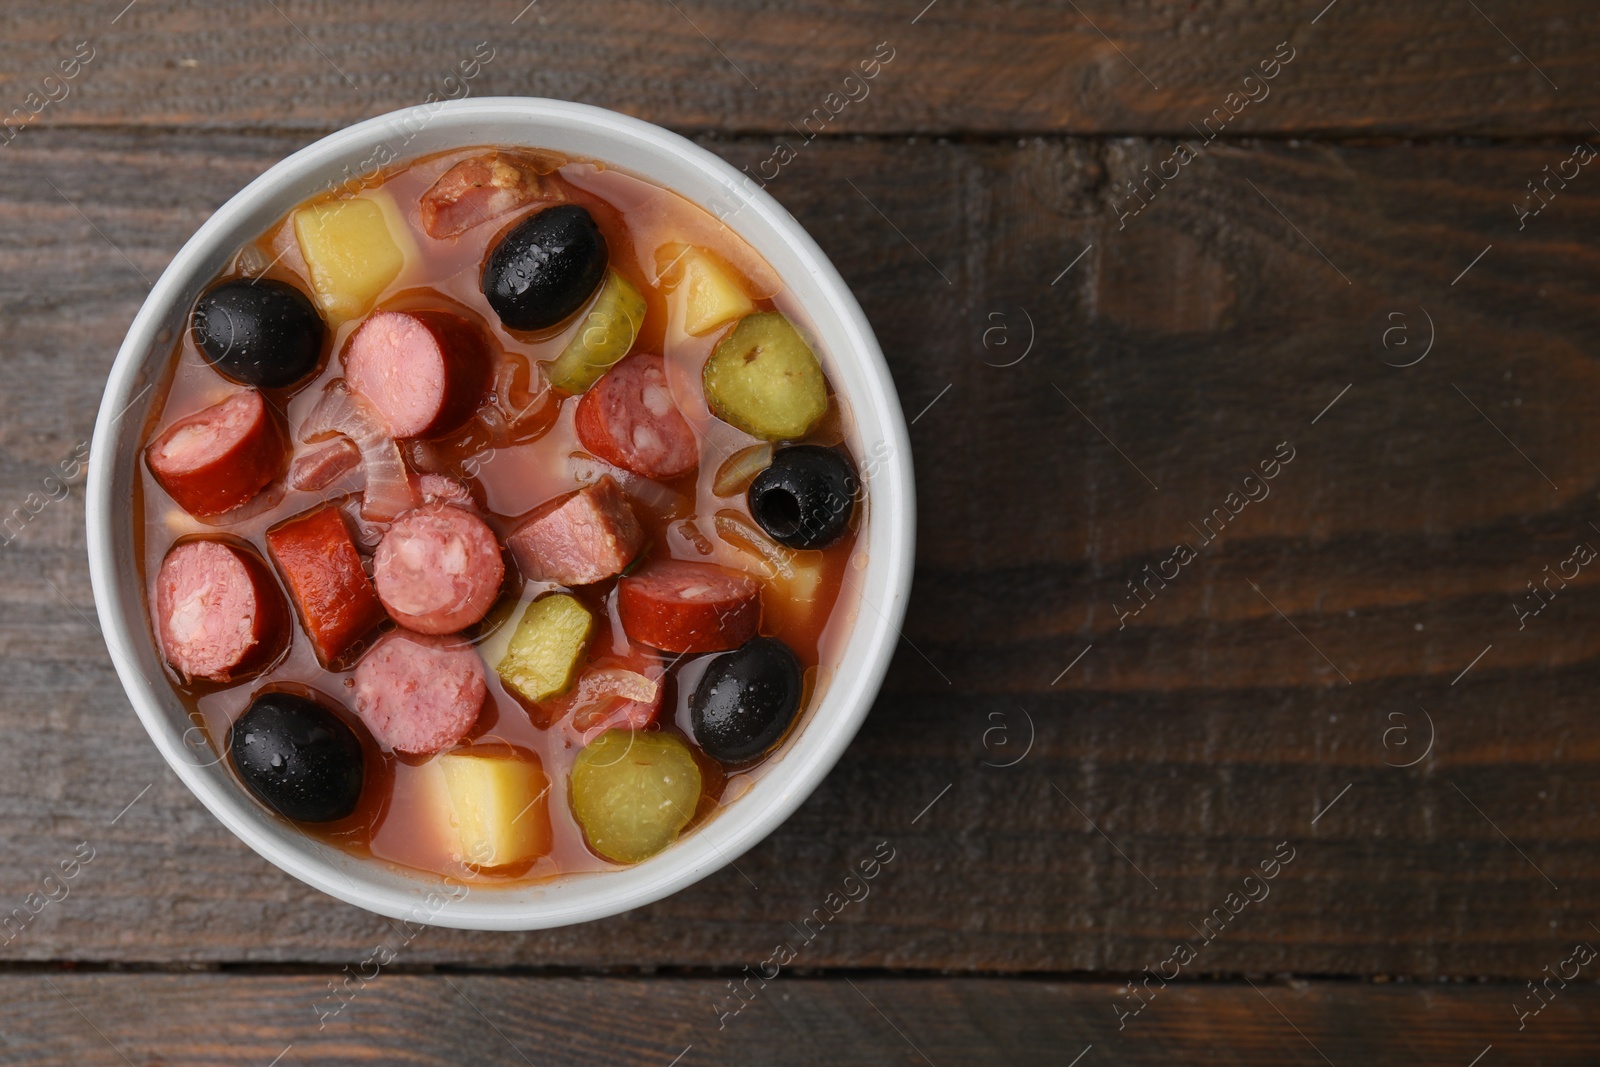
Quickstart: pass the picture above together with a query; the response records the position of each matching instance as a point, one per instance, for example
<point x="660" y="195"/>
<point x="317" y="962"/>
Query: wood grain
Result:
<point x="958" y="66"/>
<point x="1173" y="757"/>
<point x="443" y="1019"/>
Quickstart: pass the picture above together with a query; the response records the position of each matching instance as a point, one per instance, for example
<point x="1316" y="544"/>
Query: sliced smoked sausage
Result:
<point x="219" y="613"/>
<point x="221" y="457"/>
<point x="679" y="606"/>
<point x="629" y="420"/>
<point x="420" y="694"/>
<point x="438" y="569"/>
<point x="424" y="372"/>
<point x="334" y="598"/>
<point x="580" y="538"/>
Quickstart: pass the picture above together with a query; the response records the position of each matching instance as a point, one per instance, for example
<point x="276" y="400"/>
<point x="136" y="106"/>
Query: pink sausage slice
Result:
<point x="581" y="538"/>
<point x="629" y="420"/>
<point x="438" y="569"/>
<point x="217" y="459"/>
<point x="425" y="372"/>
<point x="219" y="614"/>
<point x="420" y="695"/>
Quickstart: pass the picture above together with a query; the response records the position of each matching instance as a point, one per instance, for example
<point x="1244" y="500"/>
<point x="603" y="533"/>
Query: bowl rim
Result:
<point x="786" y="783"/>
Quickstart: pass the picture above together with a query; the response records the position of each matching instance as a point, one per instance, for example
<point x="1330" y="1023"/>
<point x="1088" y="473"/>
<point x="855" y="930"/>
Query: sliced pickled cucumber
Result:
<point x="605" y="336"/>
<point x="633" y="793"/>
<point x="548" y="647"/>
<point x="764" y="379"/>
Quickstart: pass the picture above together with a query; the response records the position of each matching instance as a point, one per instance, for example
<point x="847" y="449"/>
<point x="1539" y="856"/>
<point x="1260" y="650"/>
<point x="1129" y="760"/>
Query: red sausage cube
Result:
<point x="217" y="459"/>
<point x="581" y="538"/>
<point x="335" y="600"/>
<point x="679" y="606"/>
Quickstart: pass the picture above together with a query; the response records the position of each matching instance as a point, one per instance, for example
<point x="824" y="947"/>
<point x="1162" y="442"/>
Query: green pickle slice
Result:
<point x="764" y="379"/>
<point x="607" y="334"/>
<point x="547" y="648"/>
<point x="633" y="793"/>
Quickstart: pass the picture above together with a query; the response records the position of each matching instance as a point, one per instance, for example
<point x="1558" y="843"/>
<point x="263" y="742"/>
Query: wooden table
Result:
<point x="1111" y="286"/>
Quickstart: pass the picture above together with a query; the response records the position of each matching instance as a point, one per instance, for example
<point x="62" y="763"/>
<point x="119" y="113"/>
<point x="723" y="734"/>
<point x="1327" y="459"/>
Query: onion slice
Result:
<point x="389" y="490"/>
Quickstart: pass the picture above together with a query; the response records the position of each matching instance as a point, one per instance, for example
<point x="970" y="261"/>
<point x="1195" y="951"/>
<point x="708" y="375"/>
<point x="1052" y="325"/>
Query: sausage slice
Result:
<point x="319" y="561"/>
<point x="581" y="538"/>
<point x="420" y="695"/>
<point x="679" y="606"/>
<point x="425" y="372"/>
<point x="219" y="613"/>
<point x="629" y="420"/>
<point x="438" y="569"/>
<point x="221" y="457"/>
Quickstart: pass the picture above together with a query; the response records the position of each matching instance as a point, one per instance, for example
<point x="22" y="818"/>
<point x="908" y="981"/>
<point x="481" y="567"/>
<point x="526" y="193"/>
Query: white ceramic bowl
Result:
<point x="854" y="364"/>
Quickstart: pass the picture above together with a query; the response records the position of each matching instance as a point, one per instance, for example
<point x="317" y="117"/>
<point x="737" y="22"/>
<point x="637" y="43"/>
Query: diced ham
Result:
<point x="319" y="466"/>
<point x="221" y="457"/>
<point x="335" y="601"/>
<point x="219" y="613"/>
<point x="629" y="420"/>
<point x="424" y="372"/>
<point x="581" y="538"/>
<point x="679" y="606"/>
<point x="483" y="188"/>
<point x="438" y="569"/>
<point x="420" y="695"/>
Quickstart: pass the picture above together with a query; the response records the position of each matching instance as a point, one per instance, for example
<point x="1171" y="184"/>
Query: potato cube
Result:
<point x="352" y="250"/>
<point x="705" y="293"/>
<point x="500" y="808"/>
<point x="547" y="648"/>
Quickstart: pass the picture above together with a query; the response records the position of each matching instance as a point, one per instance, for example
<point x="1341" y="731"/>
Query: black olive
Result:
<point x="745" y="700"/>
<point x="298" y="758"/>
<point x="805" y="498"/>
<point x="259" y="332"/>
<point x="546" y="268"/>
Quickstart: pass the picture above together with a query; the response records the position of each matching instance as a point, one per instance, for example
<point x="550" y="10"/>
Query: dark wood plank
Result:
<point x="1156" y="66"/>
<point x="1170" y="759"/>
<point x="249" y="1020"/>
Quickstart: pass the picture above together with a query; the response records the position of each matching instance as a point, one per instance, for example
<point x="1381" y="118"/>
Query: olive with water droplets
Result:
<point x="298" y="758"/>
<point x="746" y="700"/>
<point x="545" y="268"/>
<point x="259" y="331"/>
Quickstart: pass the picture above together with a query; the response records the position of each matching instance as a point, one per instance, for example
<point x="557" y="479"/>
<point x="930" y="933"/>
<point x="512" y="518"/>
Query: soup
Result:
<point x="498" y="519"/>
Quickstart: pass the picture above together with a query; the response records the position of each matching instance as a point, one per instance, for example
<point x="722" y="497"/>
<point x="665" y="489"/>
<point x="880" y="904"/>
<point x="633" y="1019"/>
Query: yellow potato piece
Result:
<point x="547" y="648"/>
<point x="352" y="251"/>
<point x="705" y="294"/>
<point x="500" y="808"/>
